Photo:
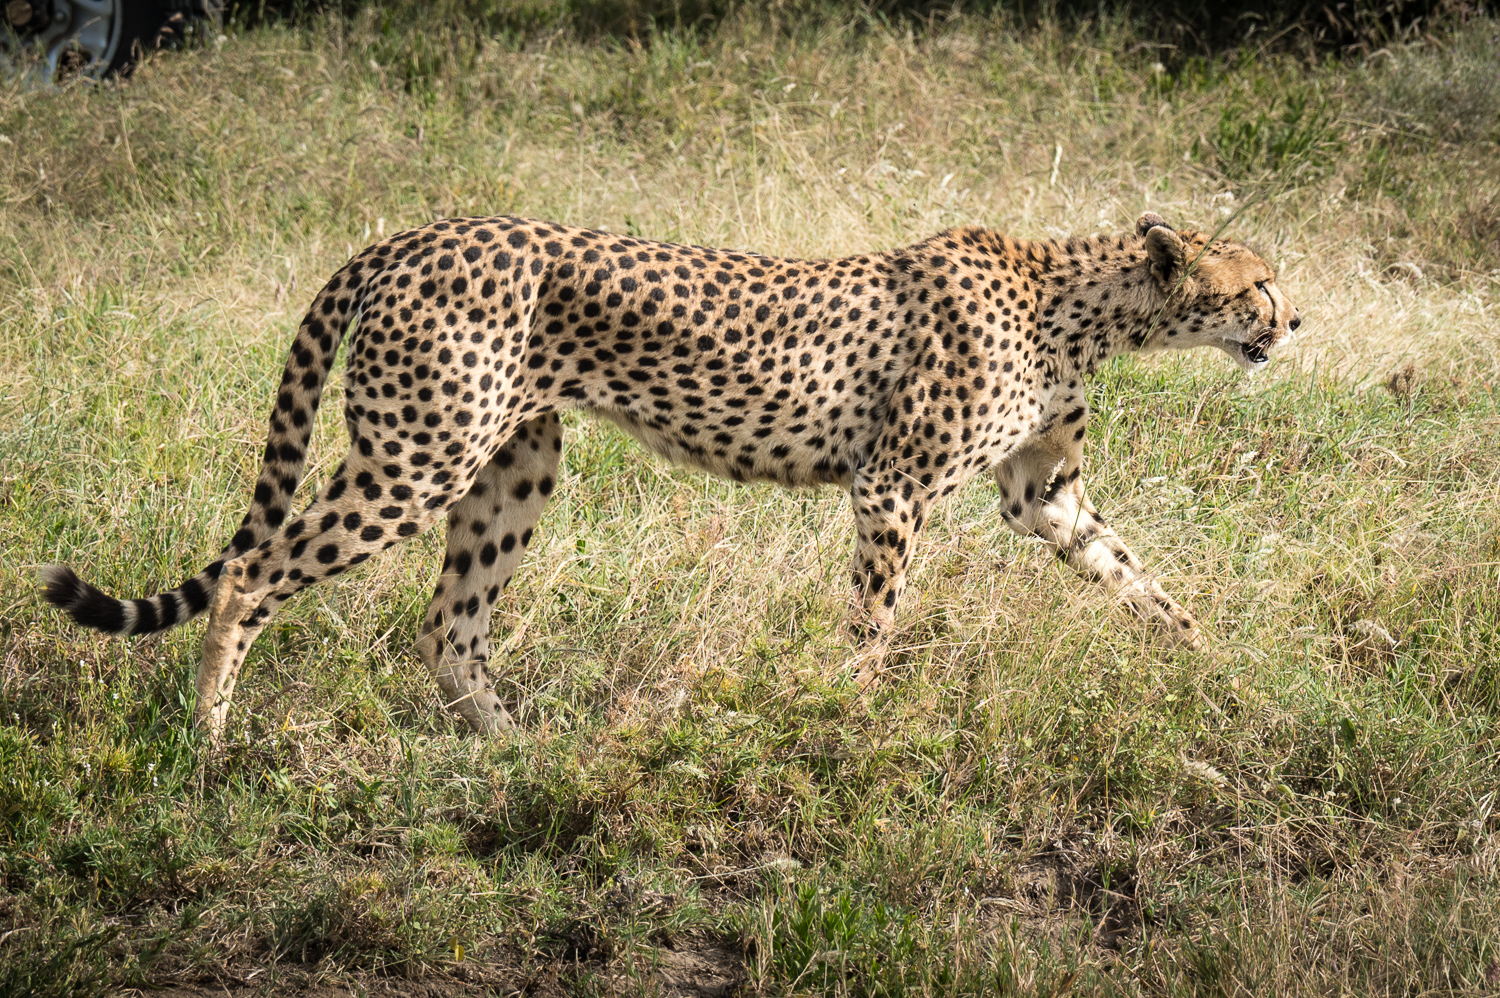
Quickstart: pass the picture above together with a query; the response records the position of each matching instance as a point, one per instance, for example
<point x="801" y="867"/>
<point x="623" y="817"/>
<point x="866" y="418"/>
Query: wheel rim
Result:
<point x="88" y="27"/>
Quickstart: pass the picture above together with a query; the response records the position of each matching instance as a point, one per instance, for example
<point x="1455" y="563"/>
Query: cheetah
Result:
<point x="897" y="376"/>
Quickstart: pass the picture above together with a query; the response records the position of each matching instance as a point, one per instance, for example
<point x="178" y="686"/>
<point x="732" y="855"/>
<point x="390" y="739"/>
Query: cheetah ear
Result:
<point x="1167" y="254"/>
<point x="1149" y="221"/>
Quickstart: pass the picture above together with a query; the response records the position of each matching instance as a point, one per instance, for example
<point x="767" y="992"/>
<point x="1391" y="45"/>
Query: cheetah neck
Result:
<point x="1096" y="299"/>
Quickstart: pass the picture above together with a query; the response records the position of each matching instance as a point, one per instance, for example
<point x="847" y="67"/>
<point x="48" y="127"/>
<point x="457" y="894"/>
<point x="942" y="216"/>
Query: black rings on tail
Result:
<point x="91" y="607"/>
<point x="307" y="367"/>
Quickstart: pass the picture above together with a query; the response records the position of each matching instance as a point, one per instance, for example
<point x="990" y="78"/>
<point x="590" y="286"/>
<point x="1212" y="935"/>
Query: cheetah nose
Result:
<point x="1296" y="321"/>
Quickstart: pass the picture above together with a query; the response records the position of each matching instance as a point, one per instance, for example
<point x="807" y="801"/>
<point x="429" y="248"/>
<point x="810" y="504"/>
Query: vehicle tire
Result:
<point x="165" y="24"/>
<point x="141" y="24"/>
<point x="98" y="38"/>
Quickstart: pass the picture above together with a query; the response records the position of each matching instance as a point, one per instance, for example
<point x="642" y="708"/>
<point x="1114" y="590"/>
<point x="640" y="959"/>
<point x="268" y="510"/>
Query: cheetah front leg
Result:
<point x="1044" y="497"/>
<point x="887" y="527"/>
<point x="893" y="499"/>
<point x="488" y="531"/>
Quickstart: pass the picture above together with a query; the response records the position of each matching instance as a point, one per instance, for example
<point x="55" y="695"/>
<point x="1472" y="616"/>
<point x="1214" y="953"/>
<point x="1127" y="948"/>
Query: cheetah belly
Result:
<point x="800" y="466"/>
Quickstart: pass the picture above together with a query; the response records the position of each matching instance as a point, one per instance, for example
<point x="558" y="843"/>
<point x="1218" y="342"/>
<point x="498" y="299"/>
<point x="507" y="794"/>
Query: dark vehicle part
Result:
<point x="94" y="38"/>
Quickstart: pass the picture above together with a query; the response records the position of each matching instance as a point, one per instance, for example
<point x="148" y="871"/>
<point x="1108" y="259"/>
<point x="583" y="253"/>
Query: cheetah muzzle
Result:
<point x="898" y="376"/>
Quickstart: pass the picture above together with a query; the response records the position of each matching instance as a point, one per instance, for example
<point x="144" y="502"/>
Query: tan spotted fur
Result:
<point x="898" y="376"/>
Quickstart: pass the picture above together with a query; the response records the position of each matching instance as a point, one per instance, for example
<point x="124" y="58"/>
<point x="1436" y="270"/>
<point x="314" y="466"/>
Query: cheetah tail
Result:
<point x="91" y="607"/>
<point x="307" y="366"/>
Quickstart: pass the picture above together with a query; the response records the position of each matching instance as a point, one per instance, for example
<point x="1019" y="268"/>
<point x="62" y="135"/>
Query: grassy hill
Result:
<point x="1038" y="799"/>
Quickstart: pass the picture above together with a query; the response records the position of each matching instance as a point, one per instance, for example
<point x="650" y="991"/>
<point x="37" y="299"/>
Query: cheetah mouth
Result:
<point x="1253" y="354"/>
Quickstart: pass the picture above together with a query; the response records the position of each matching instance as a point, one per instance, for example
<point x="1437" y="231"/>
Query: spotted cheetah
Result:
<point x="898" y="376"/>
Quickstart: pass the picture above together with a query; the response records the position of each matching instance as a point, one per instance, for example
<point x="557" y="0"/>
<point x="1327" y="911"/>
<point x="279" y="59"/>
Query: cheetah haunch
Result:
<point x="899" y="376"/>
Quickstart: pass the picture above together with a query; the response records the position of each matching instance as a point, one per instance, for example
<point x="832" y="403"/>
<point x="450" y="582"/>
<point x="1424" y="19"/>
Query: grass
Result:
<point x="1040" y="799"/>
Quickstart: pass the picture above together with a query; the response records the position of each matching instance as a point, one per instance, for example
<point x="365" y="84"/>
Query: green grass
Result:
<point x="1039" y="799"/>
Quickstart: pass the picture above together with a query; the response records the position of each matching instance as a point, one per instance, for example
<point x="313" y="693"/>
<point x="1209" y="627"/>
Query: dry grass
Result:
<point x="1041" y="798"/>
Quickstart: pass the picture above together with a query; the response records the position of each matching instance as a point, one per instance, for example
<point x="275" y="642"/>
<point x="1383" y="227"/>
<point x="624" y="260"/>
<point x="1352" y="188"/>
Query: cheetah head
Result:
<point x="1218" y="294"/>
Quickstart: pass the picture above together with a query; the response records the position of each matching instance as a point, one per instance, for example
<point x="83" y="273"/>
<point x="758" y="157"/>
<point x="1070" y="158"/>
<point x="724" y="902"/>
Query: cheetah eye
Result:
<point x="1262" y="286"/>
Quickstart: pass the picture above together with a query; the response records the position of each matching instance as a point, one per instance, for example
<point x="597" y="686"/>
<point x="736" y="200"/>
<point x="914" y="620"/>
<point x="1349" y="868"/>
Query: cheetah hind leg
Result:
<point x="336" y="532"/>
<point x="488" y="531"/>
<point x="224" y="646"/>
